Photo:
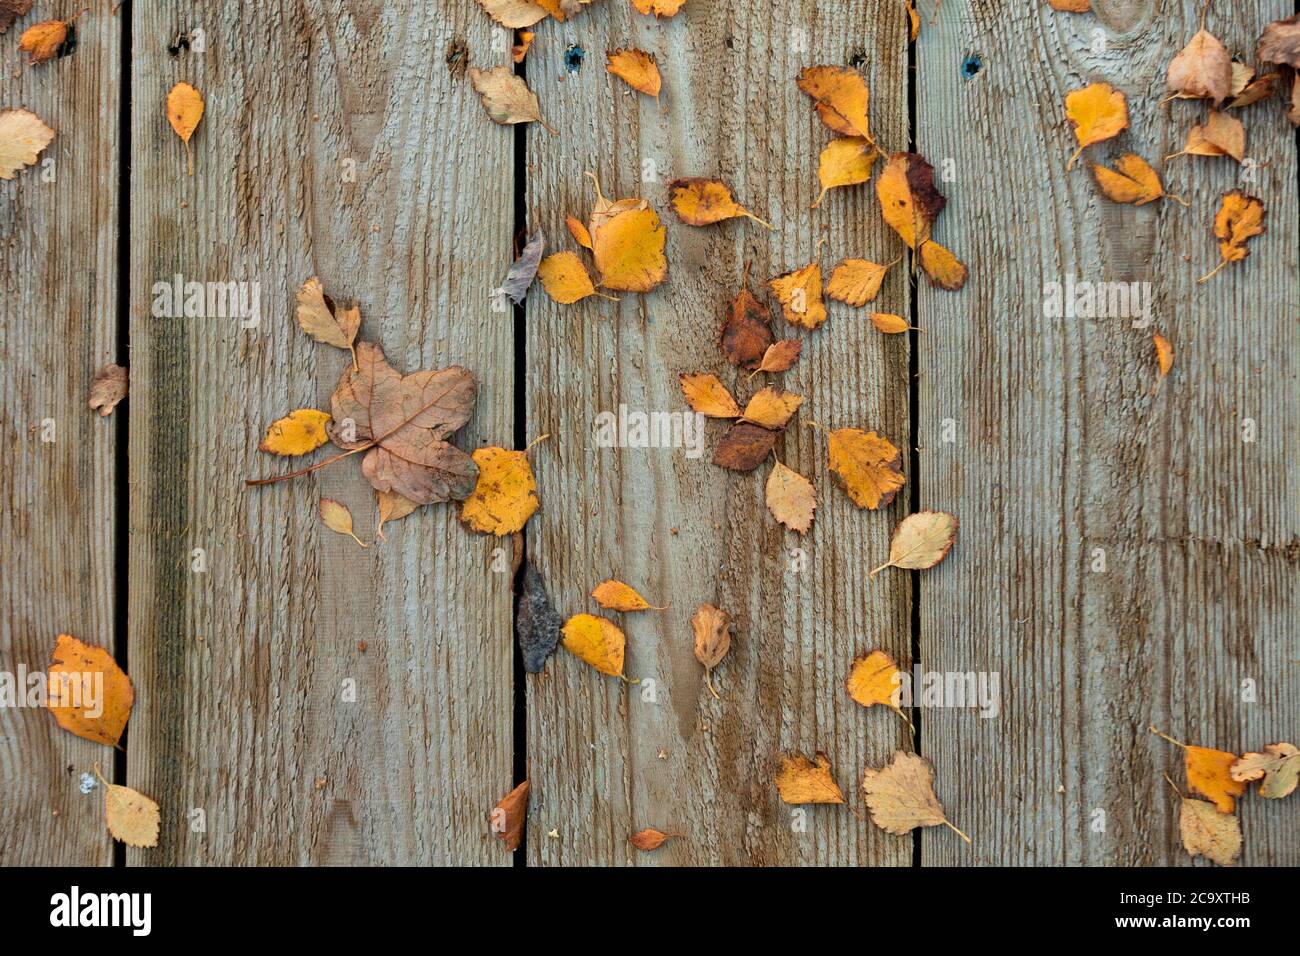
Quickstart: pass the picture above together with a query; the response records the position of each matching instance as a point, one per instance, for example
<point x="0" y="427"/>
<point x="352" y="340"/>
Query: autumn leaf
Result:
<point x="83" y="680"/>
<point x="506" y="97"/>
<point x="660" y="8"/>
<point x="846" y="161"/>
<point x="901" y="796"/>
<point x="637" y="69"/>
<point x="1280" y="42"/>
<point x="781" y="356"/>
<point x="618" y="596"/>
<point x="184" y="110"/>
<point x="1209" y="773"/>
<point x="505" y="496"/>
<point x="513" y="14"/>
<point x="746" y="331"/>
<point x="22" y="137"/>
<point x="744" y="447"/>
<point x="565" y="278"/>
<point x="578" y="231"/>
<point x="841" y="97"/>
<point x="1253" y="91"/>
<point x="537" y="625"/>
<point x="708" y="396"/>
<point x="336" y="516"/>
<point x="1164" y="353"/>
<point x="800" y="295"/>
<point x="889" y="323"/>
<point x="866" y="465"/>
<point x="1278" y="767"/>
<point x="1293" y="114"/>
<point x="791" y="498"/>
<point x="913" y="20"/>
<point x="712" y="629"/>
<point x="45" y="40"/>
<point x="11" y="10"/>
<point x="910" y="204"/>
<point x="801" y="780"/>
<point x="596" y="641"/>
<point x="1202" y="69"/>
<point x="507" y="817"/>
<point x="649" y="839"/>
<point x="524" y="269"/>
<point x="1240" y="218"/>
<point x="324" y="322"/>
<point x="921" y="541"/>
<point x="703" y="202"/>
<point x="520" y="50"/>
<point x="107" y="388"/>
<point x="772" y="407"/>
<point x="1071" y="6"/>
<point x="1208" y="833"/>
<point x="629" y="250"/>
<point x="131" y="817"/>
<point x="857" y="281"/>
<point x="298" y="433"/>
<point x="392" y="507"/>
<point x="1133" y="181"/>
<point x="1219" y="135"/>
<point x="1098" y="112"/>
<point x="876" y="679"/>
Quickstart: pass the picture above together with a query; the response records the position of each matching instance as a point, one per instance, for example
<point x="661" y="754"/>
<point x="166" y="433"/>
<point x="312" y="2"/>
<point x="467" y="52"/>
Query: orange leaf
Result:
<point x="596" y="641"/>
<point x="876" y="679"/>
<point x="1098" y="113"/>
<point x="708" y="396"/>
<point x="800" y="780"/>
<point x="1240" y="218"/>
<point x="703" y="202"/>
<point x="1209" y="774"/>
<point x="637" y="69"/>
<point x="648" y="839"/>
<point x="867" y="466"/>
<point x="629" y="251"/>
<point x="618" y="596"/>
<point x="857" y="281"/>
<point x="1133" y="182"/>
<point x="507" y="818"/>
<point x="772" y="408"/>
<point x="660" y="8"/>
<point x="841" y="96"/>
<point x="1164" y="353"/>
<point x="781" y="356"/>
<point x="846" y="161"/>
<point x="565" y="278"/>
<point x="89" y="695"/>
<point x="43" y="40"/>
<point x="800" y="295"/>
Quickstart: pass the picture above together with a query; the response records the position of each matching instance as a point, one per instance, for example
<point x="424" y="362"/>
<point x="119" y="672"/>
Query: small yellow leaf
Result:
<point x="184" y="110"/>
<point x="505" y="496"/>
<point x="1133" y="181"/>
<point x="841" y="96"/>
<point x="846" y="161"/>
<point x="921" y="541"/>
<point x="629" y="250"/>
<point x="706" y="395"/>
<point x="565" y="278"/>
<point x="800" y="295"/>
<point x="578" y="231"/>
<point x="131" y="816"/>
<point x="772" y="407"/>
<point x="618" y="596"/>
<point x="800" y="780"/>
<point x="1164" y="353"/>
<point x="338" y="518"/>
<point x="1098" y="112"/>
<point x="88" y="694"/>
<point x="889" y="323"/>
<point x="297" y="433"/>
<point x="596" y="641"/>
<point x="857" y="281"/>
<point x="660" y="8"/>
<point x="637" y="69"/>
<point x="703" y="202"/>
<point x="876" y="679"/>
<point x="791" y="498"/>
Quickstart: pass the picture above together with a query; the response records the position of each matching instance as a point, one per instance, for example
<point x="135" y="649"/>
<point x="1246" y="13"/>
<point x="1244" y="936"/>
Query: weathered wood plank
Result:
<point x="58" y="327"/>
<point x="606" y="761"/>
<point x="337" y="142"/>
<point x="1064" y="447"/>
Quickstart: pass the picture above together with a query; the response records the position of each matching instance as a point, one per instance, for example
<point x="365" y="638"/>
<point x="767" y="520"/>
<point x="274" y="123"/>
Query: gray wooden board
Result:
<point x="337" y="142"/>
<point x="58" y="327"/>
<point x="1064" y="446"/>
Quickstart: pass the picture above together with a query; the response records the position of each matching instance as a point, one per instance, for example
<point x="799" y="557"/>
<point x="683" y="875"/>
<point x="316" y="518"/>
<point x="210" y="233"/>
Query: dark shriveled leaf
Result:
<point x="744" y="447"/>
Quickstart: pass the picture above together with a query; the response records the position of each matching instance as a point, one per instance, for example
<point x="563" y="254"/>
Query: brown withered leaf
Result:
<point x="921" y="541"/>
<point x="336" y="516"/>
<point x="1254" y="91"/>
<point x="1280" y="42"/>
<point x="649" y="839"/>
<point x="1207" y="832"/>
<point x="801" y="780"/>
<point x="323" y="321"/>
<point x="791" y="498"/>
<point x="901" y="796"/>
<point x="392" y="507"/>
<point x="11" y="10"/>
<point x="404" y="422"/>
<point x="506" y="97"/>
<point x="744" y="447"/>
<point x="712" y="628"/>
<point x="524" y="269"/>
<point x="1202" y="69"/>
<point x="746" y="331"/>
<point x="1219" y="135"/>
<point x="1278" y="767"/>
<point x="507" y="817"/>
<point x="781" y="356"/>
<point x="107" y="388"/>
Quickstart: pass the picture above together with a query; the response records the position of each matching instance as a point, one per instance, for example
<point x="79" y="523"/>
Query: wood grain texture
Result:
<point x="241" y="669"/>
<point x="1065" y="445"/>
<point x="58" y="327"/>
<point x="605" y="760"/>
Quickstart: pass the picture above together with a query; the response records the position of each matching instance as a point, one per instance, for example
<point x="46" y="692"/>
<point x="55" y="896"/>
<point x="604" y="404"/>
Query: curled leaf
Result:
<point x="45" y="40"/>
<point x="1164" y="353"/>
<point x="338" y="518"/>
<point x="1278" y="767"/>
<point x="319" y="318"/>
<point x="637" y="69"/>
<point x="1240" y="218"/>
<point x="1133" y="181"/>
<point x="781" y="356"/>
<point x="508" y="816"/>
<point x="524" y="269"/>
<point x="841" y="97"/>
<point x="107" y="388"/>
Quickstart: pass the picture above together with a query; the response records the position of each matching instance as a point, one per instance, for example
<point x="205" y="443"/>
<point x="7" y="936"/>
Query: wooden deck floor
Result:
<point x="342" y="139"/>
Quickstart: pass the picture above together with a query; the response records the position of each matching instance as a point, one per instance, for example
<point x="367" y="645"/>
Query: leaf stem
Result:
<point x="310" y="468"/>
<point x="1213" y="272"/>
<point x="1162" y="736"/>
<point x="956" y="831"/>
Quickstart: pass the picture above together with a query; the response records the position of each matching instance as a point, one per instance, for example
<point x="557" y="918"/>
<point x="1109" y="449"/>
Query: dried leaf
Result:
<point x="1240" y="218"/>
<point x="744" y="447"/>
<point x="1098" y="113"/>
<point x="791" y="498"/>
<point x="520" y="49"/>
<point x="803" y="781"/>
<point x="578" y="231"/>
<point x="910" y="204"/>
<point x="857" y="281"/>
<point x="597" y="641"/>
<point x="392" y="507"/>
<point x="629" y="250"/>
<point x="131" y="817"/>
<point x="703" y="202"/>
<point x="1208" y="833"/>
<point x="841" y="96"/>
<point x="22" y="137"/>
<point x="88" y="694"/>
<point x="618" y="596"/>
<point x="800" y="295"/>
<point x="1221" y="135"/>
<point x="1071" y="6"/>
<point x="914" y="20"/>
<point x="506" y="97"/>
<point x="772" y="407"/>
<point x="1293" y="114"/>
<point x="1209" y="774"/>
<point x="876" y="679"/>
<point x="781" y="356"/>
<point x="184" y="110"/>
<point x="945" y="270"/>
<point x="846" y="161"/>
<point x="507" y="817"/>
<point x="565" y="278"/>
<point x="1253" y="92"/>
<point x="107" y="388"/>
<point x="1202" y="69"/>
<point x="901" y="796"/>
<point x="404" y="421"/>
<point x="524" y="270"/>
<point x="297" y="433"/>
<point x="712" y="629"/>
<point x="1164" y="353"/>
<point x="43" y="40"/>
<point x="11" y="10"/>
<point x="338" y="518"/>
<point x="648" y="839"/>
<point x="1133" y="182"/>
<point x="660" y="8"/>
<point x="708" y="396"/>
<point x="514" y="14"/>
<point x="866" y="465"/>
<point x="637" y="69"/>
<point x="319" y="318"/>
<point x="921" y="541"/>
<point x="1278" y="766"/>
<point x="889" y="323"/>
<point x="746" y="331"/>
<point x="505" y="496"/>
<point x="1280" y="42"/>
<point x="537" y="625"/>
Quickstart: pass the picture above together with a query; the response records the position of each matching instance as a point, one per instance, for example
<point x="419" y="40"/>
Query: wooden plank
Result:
<point x="58" y="327"/>
<point x="605" y="760"/>
<point x="1064" y="447"/>
<point x="241" y="668"/>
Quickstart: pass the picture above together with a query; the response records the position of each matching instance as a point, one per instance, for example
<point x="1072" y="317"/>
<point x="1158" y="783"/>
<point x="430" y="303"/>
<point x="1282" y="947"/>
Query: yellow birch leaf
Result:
<point x="629" y="251"/>
<point x="184" y="110"/>
<point x="22" y="137"/>
<point x="297" y="433"/>
<point x="392" y="507"/>
<point x="841" y="96"/>
<point x="506" y="97"/>
<point x="513" y="14"/>
<point x="801" y="780"/>
<point x="1164" y="353"/>
<point x="857" y="281"/>
<point x="618" y="596"/>
<point x="578" y="231"/>
<point x="1209" y="773"/>
<point x="889" y="323"/>
<point x="1207" y="832"/>
<point x="131" y="817"/>
<point x="637" y="69"/>
<point x="876" y="679"/>
<point x="1133" y="181"/>
<point x="944" y="269"/>
<point x="565" y="278"/>
<point x="43" y="40"/>
<point x="772" y="407"/>
<point x="901" y="796"/>
<point x="596" y="641"/>
<point x="800" y="295"/>
<point x="708" y="396"/>
<point x="88" y="694"/>
<point x="660" y="8"/>
<point x="846" y="161"/>
<point x="1098" y="112"/>
<point x="338" y="518"/>
<point x="866" y="465"/>
<point x="703" y="202"/>
<point x="921" y="541"/>
<point x="505" y="496"/>
<point x="791" y="498"/>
